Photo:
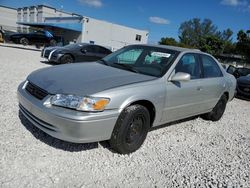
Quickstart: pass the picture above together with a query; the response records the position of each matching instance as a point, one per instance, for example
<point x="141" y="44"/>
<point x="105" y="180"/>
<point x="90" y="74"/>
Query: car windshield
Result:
<point x="153" y="61"/>
<point x="74" y="46"/>
<point x="244" y="71"/>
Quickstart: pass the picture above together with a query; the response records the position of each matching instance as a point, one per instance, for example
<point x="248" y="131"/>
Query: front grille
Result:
<point x="36" y="91"/>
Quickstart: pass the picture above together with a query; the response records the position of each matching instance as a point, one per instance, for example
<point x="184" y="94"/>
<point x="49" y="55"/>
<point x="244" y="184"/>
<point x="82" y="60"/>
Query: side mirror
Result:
<point x="180" y="76"/>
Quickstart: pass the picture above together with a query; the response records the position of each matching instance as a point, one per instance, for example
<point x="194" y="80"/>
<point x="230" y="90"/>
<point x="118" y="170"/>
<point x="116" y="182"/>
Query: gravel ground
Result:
<point x="191" y="153"/>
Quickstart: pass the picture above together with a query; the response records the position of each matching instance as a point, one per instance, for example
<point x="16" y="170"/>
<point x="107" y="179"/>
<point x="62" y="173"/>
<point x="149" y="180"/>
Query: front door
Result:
<point x="184" y="98"/>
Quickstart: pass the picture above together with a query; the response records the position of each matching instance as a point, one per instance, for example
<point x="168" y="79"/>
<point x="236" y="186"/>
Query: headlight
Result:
<point x="80" y="103"/>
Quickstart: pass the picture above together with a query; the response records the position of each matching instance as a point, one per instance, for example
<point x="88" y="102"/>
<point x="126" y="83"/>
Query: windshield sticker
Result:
<point x="161" y="54"/>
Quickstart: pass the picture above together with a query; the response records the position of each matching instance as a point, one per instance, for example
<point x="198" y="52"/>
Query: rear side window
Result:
<point x="210" y="67"/>
<point x="189" y="64"/>
<point x="89" y="49"/>
<point x="102" y="50"/>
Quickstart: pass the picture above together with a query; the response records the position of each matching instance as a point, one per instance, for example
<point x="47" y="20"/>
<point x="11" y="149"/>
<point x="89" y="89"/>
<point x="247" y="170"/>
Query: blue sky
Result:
<point x="161" y="18"/>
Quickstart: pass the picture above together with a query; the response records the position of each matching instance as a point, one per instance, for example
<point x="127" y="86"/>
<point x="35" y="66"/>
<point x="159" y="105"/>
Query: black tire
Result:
<point x="52" y="42"/>
<point x="24" y="41"/>
<point x="130" y="130"/>
<point x="66" y="59"/>
<point x="217" y="111"/>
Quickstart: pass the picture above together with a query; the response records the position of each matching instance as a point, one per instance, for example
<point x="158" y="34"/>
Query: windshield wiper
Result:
<point x="127" y="67"/>
<point x="103" y="62"/>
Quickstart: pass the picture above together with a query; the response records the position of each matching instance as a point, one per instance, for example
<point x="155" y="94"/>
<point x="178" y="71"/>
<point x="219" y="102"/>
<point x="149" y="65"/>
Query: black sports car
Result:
<point x="37" y="37"/>
<point x="243" y="86"/>
<point x="79" y="52"/>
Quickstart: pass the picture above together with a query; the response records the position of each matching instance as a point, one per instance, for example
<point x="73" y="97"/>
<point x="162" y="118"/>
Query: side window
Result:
<point x="88" y="49"/>
<point x="231" y="69"/>
<point x="210" y="67"/>
<point x="129" y="57"/>
<point x="102" y="50"/>
<point x="189" y="64"/>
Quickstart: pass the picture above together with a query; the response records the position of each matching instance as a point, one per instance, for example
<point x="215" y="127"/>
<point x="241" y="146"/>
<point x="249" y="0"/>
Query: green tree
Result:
<point x="212" y="44"/>
<point x="205" y="35"/>
<point x="243" y="44"/>
<point x="226" y="37"/>
<point x="194" y="32"/>
<point x="168" y="41"/>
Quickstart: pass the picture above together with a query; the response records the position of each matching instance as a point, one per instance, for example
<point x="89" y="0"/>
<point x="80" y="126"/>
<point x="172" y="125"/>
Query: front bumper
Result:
<point x="51" y="55"/>
<point x="243" y="90"/>
<point x="66" y="124"/>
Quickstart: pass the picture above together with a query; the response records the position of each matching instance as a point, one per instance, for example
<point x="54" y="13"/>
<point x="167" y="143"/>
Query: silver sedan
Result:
<point x="122" y="96"/>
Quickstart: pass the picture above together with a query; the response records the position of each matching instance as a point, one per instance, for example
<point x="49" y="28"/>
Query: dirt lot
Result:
<point x="192" y="153"/>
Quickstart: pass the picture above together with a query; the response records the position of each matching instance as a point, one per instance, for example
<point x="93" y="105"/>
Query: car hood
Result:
<point x="83" y="78"/>
<point x="243" y="80"/>
<point x="58" y="49"/>
<point x="55" y="48"/>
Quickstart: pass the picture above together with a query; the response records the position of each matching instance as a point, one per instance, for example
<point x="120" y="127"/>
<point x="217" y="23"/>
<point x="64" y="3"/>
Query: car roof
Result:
<point x="89" y="44"/>
<point x="179" y="49"/>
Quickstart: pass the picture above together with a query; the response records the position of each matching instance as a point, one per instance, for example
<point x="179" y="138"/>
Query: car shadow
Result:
<point x="77" y="147"/>
<point x="47" y="63"/>
<point x="173" y="123"/>
<point x="242" y="98"/>
<point x="54" y="142"/>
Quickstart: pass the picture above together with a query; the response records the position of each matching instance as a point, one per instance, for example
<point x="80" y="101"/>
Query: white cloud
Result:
<point x="230" y="2"/>
<point x="92" y="3"/>
<point x="241" y="5"/>
<point x="158" y="20"/>
<point x="234" y="2"/>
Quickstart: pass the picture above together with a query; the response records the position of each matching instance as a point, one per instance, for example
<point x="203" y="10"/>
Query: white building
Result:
<point x="77" y="28"/>
<point x="111" y="35"/>
<point x="8" y="18"/>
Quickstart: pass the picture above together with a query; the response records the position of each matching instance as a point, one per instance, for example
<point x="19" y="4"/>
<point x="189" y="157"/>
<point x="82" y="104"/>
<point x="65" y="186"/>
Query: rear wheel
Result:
<point x="217" y="111"/>
<point x="24" y="41"/>
<point x="66" y="59"/>
<point x="131" y="129"/>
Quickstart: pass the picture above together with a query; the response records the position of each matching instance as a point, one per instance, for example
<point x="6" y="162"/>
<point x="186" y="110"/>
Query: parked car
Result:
<point x="238" y="71"/>
<point x="37" y="37"/>
<point x="243" y="86"/>
<point x="120" y="97"/>
<point x="79" y="52"/>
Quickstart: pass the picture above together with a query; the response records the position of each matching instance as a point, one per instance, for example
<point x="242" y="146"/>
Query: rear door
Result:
<point x="39" y="37"/>
<point x="213" y="82"/>
<point x="88" y="53"/>
<point x="184" y="99"/>
<point x="101" y="52"/>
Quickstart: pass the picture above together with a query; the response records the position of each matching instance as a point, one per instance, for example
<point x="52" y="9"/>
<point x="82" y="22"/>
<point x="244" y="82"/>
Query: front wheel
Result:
<point x="66" y="59"/>
<point x="217" y="111"/>
<point x="131" y="129"/>
<point x="24" y="41"/>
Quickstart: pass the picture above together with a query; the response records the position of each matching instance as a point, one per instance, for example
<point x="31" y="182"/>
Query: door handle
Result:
<point x="199" y="88"/>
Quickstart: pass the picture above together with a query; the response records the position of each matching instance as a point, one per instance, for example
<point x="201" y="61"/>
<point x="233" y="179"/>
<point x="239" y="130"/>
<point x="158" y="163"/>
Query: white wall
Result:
<point x="51" y="12"/>
<point x="8" y="18"/>
<point x="111" y="35"/>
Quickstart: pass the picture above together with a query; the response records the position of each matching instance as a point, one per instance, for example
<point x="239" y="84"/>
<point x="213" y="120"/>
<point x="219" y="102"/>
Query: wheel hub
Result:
<point x="135" y="129"/>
